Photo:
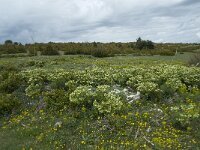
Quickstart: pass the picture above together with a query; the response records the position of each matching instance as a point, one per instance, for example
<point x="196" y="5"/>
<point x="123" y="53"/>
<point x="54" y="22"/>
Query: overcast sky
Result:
<point x="99" y="20"/>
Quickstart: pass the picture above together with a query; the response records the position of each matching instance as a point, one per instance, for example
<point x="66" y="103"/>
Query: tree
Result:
<point x="149" y="44"/>
<point x="139" y="44"/>
<point x="7" y="42"/>
<point x="16" y="43"/>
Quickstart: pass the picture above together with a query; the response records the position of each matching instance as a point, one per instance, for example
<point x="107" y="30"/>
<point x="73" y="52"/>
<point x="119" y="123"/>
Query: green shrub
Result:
<point x="11" y="83"/>
<point x="8" y="103"/>
<point x="143" y="44"/>
<point x="106" y="100"/>
<point x="185" y="114"/>
<point x="83" y="95"/>
<point x="102" y="98"/>
<point x="56" y="99"/>
<point x="71" y="85"/>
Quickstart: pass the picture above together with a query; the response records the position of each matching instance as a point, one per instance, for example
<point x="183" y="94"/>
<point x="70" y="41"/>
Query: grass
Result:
<point x="12" y="139"/>
<point x="82" y="61"/>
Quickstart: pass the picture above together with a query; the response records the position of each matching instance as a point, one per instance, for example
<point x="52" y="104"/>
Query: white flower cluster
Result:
<point x="83" y="94"/>
<point x="101" y="98"/>
<point x="146" y="80"/>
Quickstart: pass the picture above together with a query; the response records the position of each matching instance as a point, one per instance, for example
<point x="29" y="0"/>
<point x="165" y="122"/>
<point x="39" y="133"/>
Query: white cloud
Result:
<point x="198" y="34"/>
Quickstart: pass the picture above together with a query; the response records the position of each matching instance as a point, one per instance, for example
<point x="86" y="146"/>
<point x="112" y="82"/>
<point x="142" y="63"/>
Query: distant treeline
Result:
<point x="140" y="47"/>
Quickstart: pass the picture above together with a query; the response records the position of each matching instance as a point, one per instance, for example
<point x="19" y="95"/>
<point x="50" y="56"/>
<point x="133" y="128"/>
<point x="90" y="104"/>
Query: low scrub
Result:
<point x="8" y="103"/>
<point x="101" y="52"/>
<point x="49" y="50"/>
<point x="98" y="108"/>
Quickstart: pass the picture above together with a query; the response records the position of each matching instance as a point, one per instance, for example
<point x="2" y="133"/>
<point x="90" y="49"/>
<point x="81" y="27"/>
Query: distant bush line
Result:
<point x="96" y="49"/>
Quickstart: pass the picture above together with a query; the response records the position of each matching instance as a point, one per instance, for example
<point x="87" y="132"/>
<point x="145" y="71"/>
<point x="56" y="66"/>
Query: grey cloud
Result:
<point x="190" y="2"/>
<point x="100" y="20"/>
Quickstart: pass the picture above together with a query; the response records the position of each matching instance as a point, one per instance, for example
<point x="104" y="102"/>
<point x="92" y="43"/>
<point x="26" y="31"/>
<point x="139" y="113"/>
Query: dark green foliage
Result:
<point x="72" y="48"/>
<point x="56" y="99"/>
<point x="8" y="42"/>
<point x="9" y="79"/>
<point x="10" y="48"/>
<point x="8" y="103"/>
<point x="139" y="44"/>
<point x="142" y="44"/>
<point x="11" y="83"/>
<point x="149" y="44"/>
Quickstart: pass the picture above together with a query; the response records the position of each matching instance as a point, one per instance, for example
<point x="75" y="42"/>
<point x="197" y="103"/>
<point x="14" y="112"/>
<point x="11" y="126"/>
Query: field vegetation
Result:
<point x="99" y="96"/>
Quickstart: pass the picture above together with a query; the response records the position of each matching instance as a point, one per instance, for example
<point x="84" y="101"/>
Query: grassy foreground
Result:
<point x="81" y="102"/>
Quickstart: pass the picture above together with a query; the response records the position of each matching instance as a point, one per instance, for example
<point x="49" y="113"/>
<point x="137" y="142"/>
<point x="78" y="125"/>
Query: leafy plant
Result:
<point x="11" y="83"/>
<point x="8" y="103"/>
<point x="56" y="99"/>
<point x="83" y="95"/>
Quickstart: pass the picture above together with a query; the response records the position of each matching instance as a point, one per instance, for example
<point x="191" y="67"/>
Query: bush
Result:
<point x="142" y="44"/>
<point x="185" y="114"/>
<point x="103" y="99"/>
<point x="11" y="83"/>
<point x="83" y="95"/>
<point x="8" y="103"/>
<point x="56" y="99"/>
<point x="9" y="78"/>
<point x="49" y="51"/>
<point x="100" y="52"/>
<point x="106" y="100"/>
